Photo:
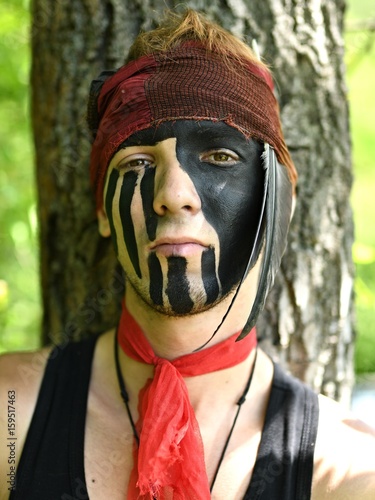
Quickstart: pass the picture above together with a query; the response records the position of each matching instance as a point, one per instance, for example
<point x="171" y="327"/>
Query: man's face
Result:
<point x="183" y="202"/>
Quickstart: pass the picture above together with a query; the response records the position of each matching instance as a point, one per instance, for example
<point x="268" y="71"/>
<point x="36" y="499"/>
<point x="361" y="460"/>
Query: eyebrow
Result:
<point x="130" y="144"/>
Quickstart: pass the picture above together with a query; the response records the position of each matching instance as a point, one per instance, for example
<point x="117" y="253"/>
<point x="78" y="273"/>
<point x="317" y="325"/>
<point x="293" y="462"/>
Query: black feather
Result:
<point x="277" y="214"/>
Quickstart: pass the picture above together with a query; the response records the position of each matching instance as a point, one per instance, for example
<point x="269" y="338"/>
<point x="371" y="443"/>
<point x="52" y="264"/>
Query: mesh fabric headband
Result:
<point x="188" y="83"/>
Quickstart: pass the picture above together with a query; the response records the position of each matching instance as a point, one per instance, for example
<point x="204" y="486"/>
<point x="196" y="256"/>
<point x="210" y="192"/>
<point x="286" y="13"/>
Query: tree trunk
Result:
<point x="307" y="324"/>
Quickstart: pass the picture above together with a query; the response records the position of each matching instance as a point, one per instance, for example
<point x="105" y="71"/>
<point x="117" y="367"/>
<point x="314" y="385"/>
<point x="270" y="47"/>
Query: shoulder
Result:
<point x="21" y="374"/>
<point x="344" y="461"/>
<point x="23" y="368"/>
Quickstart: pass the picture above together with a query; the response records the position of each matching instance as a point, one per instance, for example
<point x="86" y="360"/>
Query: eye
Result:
<point x="222" y="157"/>
<point x="135" y="162"/>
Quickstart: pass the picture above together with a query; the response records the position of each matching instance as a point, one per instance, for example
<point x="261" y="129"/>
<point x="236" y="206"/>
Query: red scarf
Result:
<point x="169" y="463"/>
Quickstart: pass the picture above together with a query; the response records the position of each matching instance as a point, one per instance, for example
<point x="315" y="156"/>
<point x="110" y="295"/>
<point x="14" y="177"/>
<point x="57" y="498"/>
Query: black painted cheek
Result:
<point x="126" y="198"/>
<point x="231" y="196"/>
<point x="147" y="194"/>
<point x="111" y="189"/>
<point x="210" y="283"/>
<point x="156" y="279"/>
<point x="236" y="227"/>
<point x="178" y="286"/>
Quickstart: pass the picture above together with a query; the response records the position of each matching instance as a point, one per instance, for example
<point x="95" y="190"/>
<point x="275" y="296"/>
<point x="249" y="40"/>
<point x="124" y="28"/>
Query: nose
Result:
<point x="174" y="189"/>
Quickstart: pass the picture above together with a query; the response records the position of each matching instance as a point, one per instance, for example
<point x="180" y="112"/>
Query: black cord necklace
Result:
<point x="125" y="398"/>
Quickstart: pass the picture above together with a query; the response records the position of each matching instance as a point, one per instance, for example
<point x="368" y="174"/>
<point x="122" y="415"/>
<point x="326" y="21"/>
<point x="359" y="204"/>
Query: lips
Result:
<point x="178" y="247"/>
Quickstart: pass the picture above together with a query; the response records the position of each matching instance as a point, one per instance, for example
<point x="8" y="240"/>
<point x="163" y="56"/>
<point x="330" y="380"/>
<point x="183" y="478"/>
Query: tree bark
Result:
<point x="308" y="321"/>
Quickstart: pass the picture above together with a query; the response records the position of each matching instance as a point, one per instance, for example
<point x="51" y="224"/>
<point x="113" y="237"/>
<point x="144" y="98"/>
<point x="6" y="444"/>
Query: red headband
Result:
<point x="187" y="83"/>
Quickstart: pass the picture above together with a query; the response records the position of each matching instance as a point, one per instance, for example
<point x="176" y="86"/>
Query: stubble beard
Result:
<point x="197" y="294"/>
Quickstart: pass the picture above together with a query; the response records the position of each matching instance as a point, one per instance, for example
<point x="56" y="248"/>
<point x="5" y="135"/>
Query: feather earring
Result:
<point x="278" y="193"/>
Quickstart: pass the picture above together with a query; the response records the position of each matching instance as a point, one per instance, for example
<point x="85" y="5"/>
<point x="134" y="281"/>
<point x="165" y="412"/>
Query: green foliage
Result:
<point x="19" y="288"/>
<point x="360" y="9"/>
<point x="360" y="59"/>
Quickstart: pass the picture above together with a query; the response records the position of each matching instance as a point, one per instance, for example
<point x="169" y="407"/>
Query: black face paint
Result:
<point x="156" y="279"/>
<point x="147" y="193"/>
<point x="127" y="191"/>
<point x="178" y="286"/>
<point x="210" y="283"/>
<point x="111" y="189"/>
<point x="230" y="195"/>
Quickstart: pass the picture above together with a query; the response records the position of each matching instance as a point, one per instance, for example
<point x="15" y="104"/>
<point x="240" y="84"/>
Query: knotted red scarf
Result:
<point x="169" y="463"/>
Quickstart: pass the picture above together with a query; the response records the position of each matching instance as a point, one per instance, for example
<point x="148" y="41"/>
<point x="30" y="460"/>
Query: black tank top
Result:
<point x="52" y="462"/>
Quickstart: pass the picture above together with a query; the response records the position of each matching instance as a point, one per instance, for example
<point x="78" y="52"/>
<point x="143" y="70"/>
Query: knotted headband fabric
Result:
<point x="169" y="462"/>
<point x="187" y="83"/>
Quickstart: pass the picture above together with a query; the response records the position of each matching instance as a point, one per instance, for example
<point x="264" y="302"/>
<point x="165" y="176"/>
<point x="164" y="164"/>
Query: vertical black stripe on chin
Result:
<point x="156" y="279"/>
<point x="178" y="286"/>
<point x="127" y="192"/>
<point x="147" y="194"/>
<point x="209" y="278"/>
<point x="111" y="189"/>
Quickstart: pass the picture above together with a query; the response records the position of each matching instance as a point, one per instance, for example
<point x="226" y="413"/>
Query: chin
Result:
<point x="198" y="297"/>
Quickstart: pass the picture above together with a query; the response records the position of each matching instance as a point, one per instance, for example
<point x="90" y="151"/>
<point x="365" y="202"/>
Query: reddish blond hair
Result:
<point x="176" y="29"/>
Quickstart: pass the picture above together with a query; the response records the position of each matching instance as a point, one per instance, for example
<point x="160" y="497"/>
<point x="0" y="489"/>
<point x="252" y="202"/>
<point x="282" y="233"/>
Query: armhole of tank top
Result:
<point x="42" y="409"/>
<point x="37" y="422"/>
<point x="77" y="430"/>
<point x="308" y="440"/>
<point x="264" y="441"/>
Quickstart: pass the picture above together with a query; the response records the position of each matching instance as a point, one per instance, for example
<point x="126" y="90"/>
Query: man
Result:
<point x="195" y="186"/>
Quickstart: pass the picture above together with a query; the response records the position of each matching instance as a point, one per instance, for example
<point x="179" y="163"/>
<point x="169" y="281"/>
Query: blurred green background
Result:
<point x="19" y="285"/>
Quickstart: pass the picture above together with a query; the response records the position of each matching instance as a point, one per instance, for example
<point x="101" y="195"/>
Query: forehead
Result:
<point x="200" y="133"/>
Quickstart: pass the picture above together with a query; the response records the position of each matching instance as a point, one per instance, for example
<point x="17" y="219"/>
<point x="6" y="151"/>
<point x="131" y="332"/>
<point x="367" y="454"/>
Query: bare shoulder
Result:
<point x="22" y="365"/>
<point x="344" y="461"/>
<point x="21" y="374"/>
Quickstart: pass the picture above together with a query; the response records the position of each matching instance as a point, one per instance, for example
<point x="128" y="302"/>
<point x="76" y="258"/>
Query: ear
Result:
<point x="103" y="223"/>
